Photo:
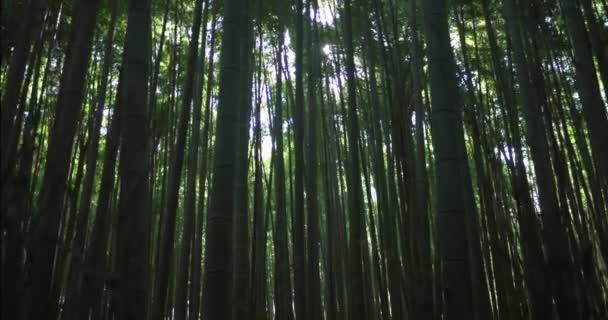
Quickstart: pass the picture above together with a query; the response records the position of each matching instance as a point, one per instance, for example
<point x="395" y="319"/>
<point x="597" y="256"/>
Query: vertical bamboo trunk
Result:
<point x="453" y="212"/>
<point x="240" y="281"/>
<point x="133" y="216"/>
<point x="217" y="291"/>
<point x="299" y="245"/>
<point x="195" y="292"/>
<point x="422" y="301"/>
<point x="283" y="286"/>
<point x="355" y="191"/>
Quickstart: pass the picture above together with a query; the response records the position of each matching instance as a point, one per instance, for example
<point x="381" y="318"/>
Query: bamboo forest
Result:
<point x="304" y="159"/>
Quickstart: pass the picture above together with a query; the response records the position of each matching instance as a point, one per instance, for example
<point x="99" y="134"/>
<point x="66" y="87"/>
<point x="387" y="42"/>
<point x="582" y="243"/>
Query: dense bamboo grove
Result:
<point x="305" y="159"/>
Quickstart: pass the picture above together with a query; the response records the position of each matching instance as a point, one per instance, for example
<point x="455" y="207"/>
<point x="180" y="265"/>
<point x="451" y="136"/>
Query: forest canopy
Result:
<point x="304" y="159"/>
